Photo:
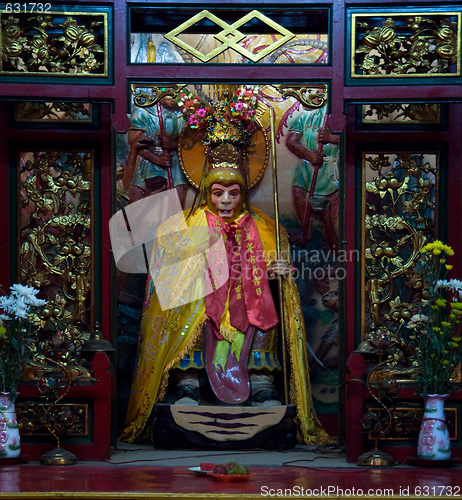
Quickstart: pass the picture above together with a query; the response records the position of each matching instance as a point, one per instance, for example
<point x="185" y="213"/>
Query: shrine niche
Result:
<point x="316" y="264"/>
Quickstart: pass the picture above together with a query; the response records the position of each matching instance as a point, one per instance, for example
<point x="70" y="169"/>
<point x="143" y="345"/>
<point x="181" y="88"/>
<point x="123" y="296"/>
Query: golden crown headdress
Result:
<point x="223" y="134"/>
<point x="229" y="120"/>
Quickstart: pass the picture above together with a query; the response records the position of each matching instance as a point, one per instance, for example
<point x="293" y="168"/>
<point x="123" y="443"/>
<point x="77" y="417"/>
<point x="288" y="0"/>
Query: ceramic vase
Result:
<point x="10" y="444"/>
<point x="434" y="441"/>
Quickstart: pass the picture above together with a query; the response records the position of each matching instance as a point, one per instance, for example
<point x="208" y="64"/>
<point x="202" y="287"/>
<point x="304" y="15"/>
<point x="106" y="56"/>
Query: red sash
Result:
<point x="250" y="300"/>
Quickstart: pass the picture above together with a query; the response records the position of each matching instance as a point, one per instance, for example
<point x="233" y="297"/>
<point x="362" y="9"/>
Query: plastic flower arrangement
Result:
<point x="231" y="115"/>
<point x="436" y="329"/>
<point x="16" y="324"/>
<point x="196" y="112"/>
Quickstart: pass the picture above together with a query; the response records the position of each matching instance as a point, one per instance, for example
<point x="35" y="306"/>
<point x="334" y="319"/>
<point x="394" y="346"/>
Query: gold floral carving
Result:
<point x="401" y="113"/>
<point x="399" y="217"/>
<point x="406" y="45"/>
<point x="55" y="253"/>
<point x="46" y="44"/>
<point x="64" y="419"/>
<point x="146" y="96"/>
<point x="36" y="111"/>
<point x="311" y="97"/>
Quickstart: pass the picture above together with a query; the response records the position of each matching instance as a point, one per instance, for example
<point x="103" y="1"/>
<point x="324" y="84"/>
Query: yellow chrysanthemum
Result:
<point x="448" y="250"/>
<point x="445" y="323"/>
<point x="441" y="302"/>
<point x="445" y="361"/>
<point x="436" y="247"/>
<point x="448" y="267"/>
<point x="456" y="339"/>
<point x="2" y="331"/>
<point x="456" y="305"/>
<point x="429" y="247"/>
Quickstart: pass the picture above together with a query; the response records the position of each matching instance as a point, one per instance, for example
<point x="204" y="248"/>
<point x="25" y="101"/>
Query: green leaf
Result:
<point x="14" y="344"/>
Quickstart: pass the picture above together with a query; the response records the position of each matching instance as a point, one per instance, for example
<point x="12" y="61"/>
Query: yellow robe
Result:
<point x="168" y="336"/>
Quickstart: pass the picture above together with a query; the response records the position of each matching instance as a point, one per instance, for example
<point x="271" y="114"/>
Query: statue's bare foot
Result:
<point x="267" y="397"/>
<point x="188" y="395"/>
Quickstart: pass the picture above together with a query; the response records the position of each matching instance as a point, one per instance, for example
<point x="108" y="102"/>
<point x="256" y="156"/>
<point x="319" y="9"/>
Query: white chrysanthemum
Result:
<point x="23" y="290"/>
<point x="441" y="284"/>
<point x="34" y="301"/>
<point x="21" y="303"/>
<point x="455" y="286"/>
<point x="4" y="317"/>
<point x="20" y="312"/>
<point x="6" y="303"/>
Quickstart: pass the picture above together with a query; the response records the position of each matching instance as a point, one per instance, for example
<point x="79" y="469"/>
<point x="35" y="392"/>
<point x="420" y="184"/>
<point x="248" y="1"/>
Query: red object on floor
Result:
<point x="81" y="481"/>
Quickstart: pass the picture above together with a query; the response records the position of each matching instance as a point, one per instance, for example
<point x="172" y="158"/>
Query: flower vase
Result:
<point x="10" y="444"/>
<point x="434" y="441"/>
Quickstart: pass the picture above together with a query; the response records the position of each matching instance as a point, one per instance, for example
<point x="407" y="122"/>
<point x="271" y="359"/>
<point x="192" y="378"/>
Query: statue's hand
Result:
<point x="168" y="142"/>
<point x="315" y="158"/>
<point x="164" y="160"/>
<point x="278" y="268"/>
<point x="139" y="140"/>
<point x="326" y="137"/>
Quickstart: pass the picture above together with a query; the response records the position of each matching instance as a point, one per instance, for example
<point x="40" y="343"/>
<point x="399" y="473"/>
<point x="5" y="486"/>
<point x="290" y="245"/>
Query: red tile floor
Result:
<point x="159" y="482"/>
